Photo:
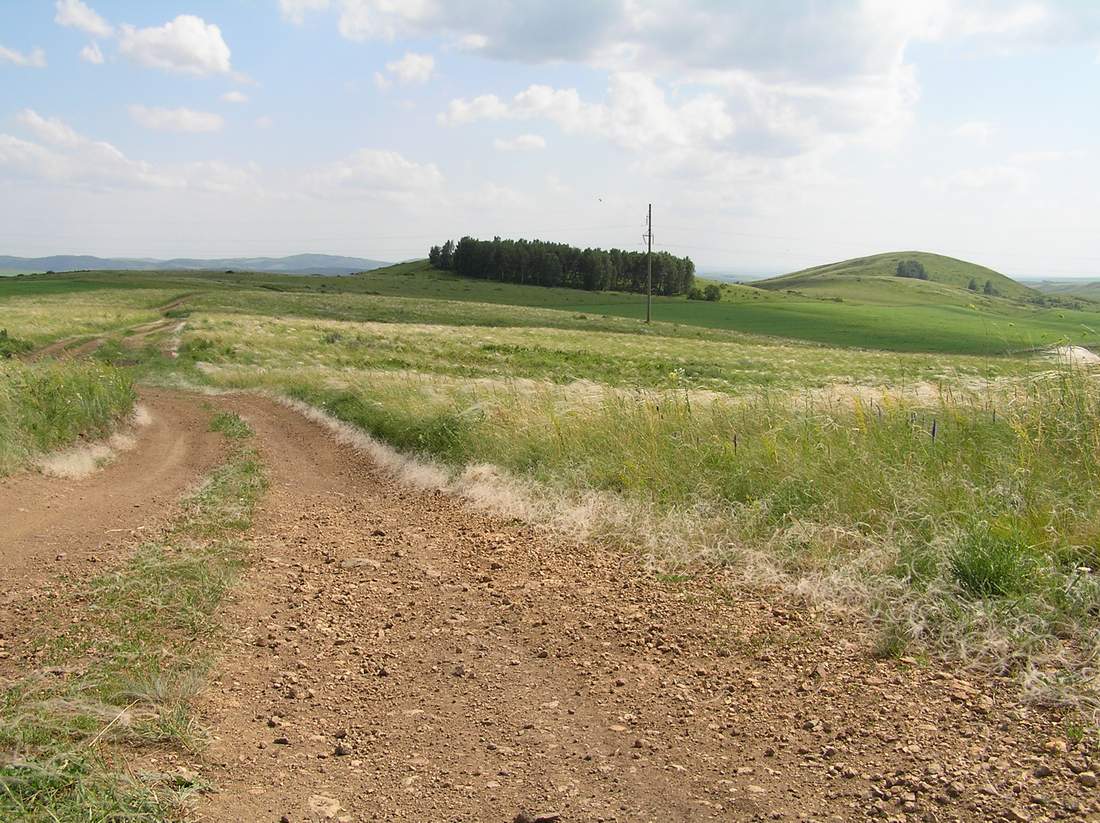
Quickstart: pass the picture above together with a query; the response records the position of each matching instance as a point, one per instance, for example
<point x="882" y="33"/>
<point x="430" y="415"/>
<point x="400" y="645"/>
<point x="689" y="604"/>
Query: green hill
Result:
<point x="874" y="279"/>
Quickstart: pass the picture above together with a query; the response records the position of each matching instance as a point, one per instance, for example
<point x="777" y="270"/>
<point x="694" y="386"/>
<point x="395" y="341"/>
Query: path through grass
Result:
<point x="129" y="672"/>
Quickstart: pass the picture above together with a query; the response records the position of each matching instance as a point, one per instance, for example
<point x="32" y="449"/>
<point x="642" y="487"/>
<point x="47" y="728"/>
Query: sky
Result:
<point x="769" y="136"/>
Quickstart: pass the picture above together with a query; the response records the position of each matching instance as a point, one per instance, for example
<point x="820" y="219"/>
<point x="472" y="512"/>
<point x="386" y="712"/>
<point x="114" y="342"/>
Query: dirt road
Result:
<point x="395" y="655"/>
<point x="52" y="529"/>
<point x="400" y="657"/>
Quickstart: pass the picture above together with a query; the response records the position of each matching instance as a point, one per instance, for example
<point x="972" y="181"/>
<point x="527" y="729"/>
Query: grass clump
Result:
<point x="11" y="346"/>
<point x="986" y="564"/>
<point x="133" y="668"/>
<point x="48" y="405"/>
<point x="231" y="425"/>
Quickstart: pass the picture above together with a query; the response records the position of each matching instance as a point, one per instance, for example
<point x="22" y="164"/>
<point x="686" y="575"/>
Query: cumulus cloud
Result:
<point x="181" y="119"/>
<point x="636" y="115"/>
<point x="522" y="142"/>
<point x="295" y="10"/>
<point x="60" y="155"/>
<point x="67" y="157"/>
<point x="78" y="15"/>
<point x="412" y="68"/>
<point x="234" y="97"/>
<point x="91" y="54"/>
<point x="35" y="59"/>
<point x="813" y="78"/>
<point x="185" y="45"/>
<point x="377" y="173"/>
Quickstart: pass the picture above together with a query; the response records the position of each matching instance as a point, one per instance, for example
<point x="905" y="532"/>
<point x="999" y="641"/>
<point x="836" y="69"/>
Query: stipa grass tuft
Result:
<point x="990" y="565"/>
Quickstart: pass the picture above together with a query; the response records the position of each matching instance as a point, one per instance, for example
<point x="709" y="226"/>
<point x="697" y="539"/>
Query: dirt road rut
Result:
<point x="396" y="656"/>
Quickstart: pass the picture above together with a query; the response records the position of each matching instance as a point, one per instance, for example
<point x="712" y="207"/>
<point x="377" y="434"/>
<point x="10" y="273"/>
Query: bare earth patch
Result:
<point x="397" y="656"/>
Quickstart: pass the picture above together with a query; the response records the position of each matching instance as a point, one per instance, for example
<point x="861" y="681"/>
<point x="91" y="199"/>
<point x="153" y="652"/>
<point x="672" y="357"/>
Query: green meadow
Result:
<point x="896" y="447"/>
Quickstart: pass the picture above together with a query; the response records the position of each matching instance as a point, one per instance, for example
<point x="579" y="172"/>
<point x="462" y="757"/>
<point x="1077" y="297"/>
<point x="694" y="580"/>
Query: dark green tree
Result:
<point x="912" y="268"/>
<point x="972" y="285"/>
<point x="447" y="255"/>
<point x="712" y="293"/>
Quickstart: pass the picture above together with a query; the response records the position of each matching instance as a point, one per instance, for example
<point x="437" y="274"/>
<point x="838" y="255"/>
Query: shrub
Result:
<point x="695" y="293"/>
<point x="712" y="293"/>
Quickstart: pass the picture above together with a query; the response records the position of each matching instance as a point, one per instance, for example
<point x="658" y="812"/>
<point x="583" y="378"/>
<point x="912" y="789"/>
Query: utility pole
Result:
<point x="649" y="265"/>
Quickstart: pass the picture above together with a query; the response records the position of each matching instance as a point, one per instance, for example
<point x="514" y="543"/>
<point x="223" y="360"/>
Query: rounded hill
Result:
<point x="915" y="275"/>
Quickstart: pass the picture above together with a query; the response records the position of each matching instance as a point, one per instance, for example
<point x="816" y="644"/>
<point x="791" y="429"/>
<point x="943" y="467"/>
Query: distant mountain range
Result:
<point x="329" y="264"/>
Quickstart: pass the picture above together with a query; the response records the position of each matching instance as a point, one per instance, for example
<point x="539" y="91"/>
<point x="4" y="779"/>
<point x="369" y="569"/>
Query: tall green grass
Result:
<point x="48" y="405"/>
<point x="969" y="525"/>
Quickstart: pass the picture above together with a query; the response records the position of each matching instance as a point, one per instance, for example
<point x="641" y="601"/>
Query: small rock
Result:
<point x="282" y="741"/>
<point x="1056" y="745"/>
<point x="1042" y="770"/>
<point x="342" y="750"/>
<point x="324" y="807"/>
<point x="540" y="817"/>
<point x="1087" y="779"/>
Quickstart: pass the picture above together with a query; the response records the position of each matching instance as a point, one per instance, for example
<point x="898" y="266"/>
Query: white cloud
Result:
<point x="51" y="129"/>
<point x="72" y="159"/>
<point x="78" y="15"/>
<point x="482" y="107"/>
<point x="377" y="173"/>
<point x="812" y="79"/>
<point x="295" y="10"/>
<point x="264" y="122"/>
<point x="234" y="97"/>
<point x="985" y="178"/>
<point x="91" y="54"/>
<point x="382" y="82"/>
<point x="976" y="130"/>
<point x="412" y="68"/>
<point x="35" y="59"/>
<point x="60" y="155"/>
<point x="181" y="119"/>
<point x="636" y="115"/>
<point x="522" y="142"/>
<point x="186" y="45"/>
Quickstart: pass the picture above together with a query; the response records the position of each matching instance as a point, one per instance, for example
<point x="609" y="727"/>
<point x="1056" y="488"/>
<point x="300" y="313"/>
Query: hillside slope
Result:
<point x="873" y="278"/>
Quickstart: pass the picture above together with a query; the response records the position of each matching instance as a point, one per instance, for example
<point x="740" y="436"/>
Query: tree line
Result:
<point x="539" y="263"/>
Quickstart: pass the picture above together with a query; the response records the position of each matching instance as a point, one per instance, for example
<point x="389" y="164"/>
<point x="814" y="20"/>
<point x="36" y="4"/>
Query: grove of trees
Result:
<point x="912" y="268"/>
<point x="539" y="263"/>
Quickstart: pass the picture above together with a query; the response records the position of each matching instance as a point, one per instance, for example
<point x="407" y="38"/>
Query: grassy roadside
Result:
<point x="44" y="406"/>
<point x="128" y="673"/>
<point x="964" y="526"/>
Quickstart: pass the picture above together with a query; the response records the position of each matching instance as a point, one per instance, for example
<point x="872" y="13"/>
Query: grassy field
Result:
<point x="888" y="313"/>
<point x="947" y="497"/>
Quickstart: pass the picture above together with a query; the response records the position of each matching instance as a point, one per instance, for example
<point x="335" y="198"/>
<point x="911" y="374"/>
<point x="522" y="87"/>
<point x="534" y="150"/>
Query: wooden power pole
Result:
<point x="649" y="265"/>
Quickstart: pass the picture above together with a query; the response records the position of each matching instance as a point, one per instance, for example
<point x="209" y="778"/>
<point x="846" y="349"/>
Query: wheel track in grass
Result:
<point x="393" y="654"/>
